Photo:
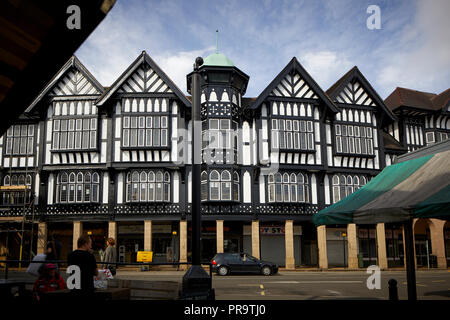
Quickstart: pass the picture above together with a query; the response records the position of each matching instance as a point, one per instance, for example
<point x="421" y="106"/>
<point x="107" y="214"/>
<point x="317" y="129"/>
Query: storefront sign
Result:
<point x="144" y="256"/>
<point x="160" y="228"/>
<point x="273" y="231"/>
<point x="131" y="229"/>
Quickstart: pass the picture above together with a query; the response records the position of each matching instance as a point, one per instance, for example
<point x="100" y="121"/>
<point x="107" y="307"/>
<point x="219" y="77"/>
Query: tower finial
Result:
<point x="217" y="41"/>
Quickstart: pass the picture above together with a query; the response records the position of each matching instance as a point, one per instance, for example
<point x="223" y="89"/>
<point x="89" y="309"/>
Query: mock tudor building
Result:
<point x="116" y="161"/>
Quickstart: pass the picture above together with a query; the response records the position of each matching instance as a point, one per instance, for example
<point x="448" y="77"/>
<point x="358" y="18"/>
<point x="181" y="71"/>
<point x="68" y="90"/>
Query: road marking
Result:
<point x="349" y="281"/>
<point x="438" y="281"/>
<point x="285" y="282"/>
<point x="248" y="285"/>
<point x="334" y="292"/>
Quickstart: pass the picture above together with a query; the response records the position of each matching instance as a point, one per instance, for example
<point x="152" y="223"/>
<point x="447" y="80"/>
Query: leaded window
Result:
<point x="20" y="139"/>
<point x="222" y="186"/>
<point x="17" y="197"/>
<point x="74" y="134"/>
<point x="145" y="131"/>
<point x="292" y="134"/>
<point x="77" y="187"/>
<point x="354" y="139"/>
<point x="345" y="185"/>
<point x="218" y="134"/>
<point x="288" y="187"/>
<point x="148" y="186"/>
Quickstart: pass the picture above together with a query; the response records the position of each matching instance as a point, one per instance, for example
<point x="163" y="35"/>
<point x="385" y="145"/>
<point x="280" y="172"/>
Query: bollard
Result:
<point x="393" y="290"/>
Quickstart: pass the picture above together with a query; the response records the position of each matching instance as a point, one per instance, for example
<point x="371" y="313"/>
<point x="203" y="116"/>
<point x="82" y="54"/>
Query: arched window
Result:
<point x="226" y="185"/>
<point x="236" y="186"/>
<point x="222" y="187"/>
<point x="17" y="197"/>
<point x="148" y="186"/>
<point x="343" y="186"/>
<point x="288" y="187"/>
<point x="214" y="185"/>
<point x="204" y="187"/>
<point x="77" y="187"/>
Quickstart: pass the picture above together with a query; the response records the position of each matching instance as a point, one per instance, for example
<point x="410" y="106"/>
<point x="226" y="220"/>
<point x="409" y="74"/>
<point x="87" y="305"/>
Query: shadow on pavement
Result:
<point x="445" y="293"/>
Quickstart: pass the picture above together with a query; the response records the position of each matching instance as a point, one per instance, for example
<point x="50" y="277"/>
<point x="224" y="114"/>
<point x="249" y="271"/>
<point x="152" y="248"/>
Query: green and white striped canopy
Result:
<point x="418" y="188"/>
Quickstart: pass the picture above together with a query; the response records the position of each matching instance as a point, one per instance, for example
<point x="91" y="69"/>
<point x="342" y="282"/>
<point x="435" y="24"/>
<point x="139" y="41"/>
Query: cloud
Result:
<point x="324" y="66"/>
<point x="178" y="65"/>
<point x="421" y="58"/>
<point x="261" y="37"/>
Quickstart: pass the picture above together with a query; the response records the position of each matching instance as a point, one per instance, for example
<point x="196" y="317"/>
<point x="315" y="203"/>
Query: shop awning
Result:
<point x="418" y="188"/>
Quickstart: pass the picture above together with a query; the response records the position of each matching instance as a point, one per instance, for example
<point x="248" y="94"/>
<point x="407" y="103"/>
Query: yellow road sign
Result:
<point x="144" y="256"/>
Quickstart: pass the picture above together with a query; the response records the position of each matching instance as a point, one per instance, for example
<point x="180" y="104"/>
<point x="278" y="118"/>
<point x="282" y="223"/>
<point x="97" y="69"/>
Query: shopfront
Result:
<point x="130" y="240"/>
<point x="394" y="246"/>
<point x="165" y="242"/>
<point x="337" y="250"/>
<point x="367" y="244"/>
<point x="98" y="232"/>
<point x="273" y="242"/>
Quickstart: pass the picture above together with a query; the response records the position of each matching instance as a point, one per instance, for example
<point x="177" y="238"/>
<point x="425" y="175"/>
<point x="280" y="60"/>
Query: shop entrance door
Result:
<point x="423" y="251"/>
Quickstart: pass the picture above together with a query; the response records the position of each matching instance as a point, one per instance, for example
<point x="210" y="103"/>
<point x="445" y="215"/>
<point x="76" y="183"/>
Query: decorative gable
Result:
<point x="144" y="79"/>
<point x="354" y="93"/>
<point x="293" y="87"/>
<point x="73" y="82"/>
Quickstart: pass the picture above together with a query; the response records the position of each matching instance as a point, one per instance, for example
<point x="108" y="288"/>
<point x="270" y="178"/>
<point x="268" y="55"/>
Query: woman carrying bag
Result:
<point x="110" y="256"/>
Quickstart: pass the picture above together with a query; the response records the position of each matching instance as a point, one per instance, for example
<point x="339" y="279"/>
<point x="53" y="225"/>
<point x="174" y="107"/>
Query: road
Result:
<point x="297" y="285"/>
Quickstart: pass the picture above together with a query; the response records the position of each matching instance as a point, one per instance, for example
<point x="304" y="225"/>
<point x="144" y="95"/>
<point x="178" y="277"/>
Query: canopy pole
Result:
<point x="410" y="260"/>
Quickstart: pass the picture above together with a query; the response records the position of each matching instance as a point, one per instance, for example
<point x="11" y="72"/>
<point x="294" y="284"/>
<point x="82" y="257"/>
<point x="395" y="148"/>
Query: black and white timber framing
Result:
<point x="283" y="155"/>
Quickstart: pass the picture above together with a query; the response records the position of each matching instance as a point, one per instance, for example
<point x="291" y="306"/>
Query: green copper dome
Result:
<point x="218" y="59"/>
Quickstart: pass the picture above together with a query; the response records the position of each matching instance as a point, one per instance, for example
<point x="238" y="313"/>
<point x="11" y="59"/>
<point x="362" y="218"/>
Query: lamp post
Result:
<point x="196" y="281"/>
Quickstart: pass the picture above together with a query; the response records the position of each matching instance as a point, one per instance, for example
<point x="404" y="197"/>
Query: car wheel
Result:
<point x="266" y="271"/>
<point x="223" y="271"/>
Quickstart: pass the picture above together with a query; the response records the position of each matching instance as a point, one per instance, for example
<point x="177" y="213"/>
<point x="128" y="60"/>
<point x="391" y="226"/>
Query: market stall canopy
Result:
<point x="418" y="188"/>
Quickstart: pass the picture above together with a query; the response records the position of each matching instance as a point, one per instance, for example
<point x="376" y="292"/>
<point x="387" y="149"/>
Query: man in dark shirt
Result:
<point x="86" y="262"/>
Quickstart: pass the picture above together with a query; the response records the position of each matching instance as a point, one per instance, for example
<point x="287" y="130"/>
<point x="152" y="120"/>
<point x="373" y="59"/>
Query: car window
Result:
<point x="234" y="257"/>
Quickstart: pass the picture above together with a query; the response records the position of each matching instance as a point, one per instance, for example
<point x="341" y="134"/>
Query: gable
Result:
<point x="294" y="82"/>
<point x="72" y="79"/>
<point x="73" y="82"/>
<point x="353" y="88"/>
<point x="144" y="79"/>
<point x="293" y="87"/>
<point x="354" y="93"/>
<point x="143" y="76"/>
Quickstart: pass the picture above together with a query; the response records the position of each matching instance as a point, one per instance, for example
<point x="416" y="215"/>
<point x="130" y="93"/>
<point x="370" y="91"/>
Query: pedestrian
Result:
<point x="48" y="281"/>
<point x="110" y="256"/>
<point x="85" y="260"/>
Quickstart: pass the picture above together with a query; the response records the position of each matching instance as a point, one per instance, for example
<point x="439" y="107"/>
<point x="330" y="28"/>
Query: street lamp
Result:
<point x="196" y="282"/>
